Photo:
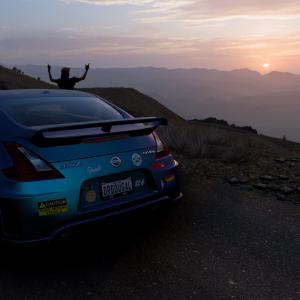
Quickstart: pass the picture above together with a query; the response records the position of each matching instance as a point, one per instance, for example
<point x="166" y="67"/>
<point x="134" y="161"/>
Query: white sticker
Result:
<point x="136" y="159"/>
<point x="90" y="170"/>
<point x="139" y="182"/>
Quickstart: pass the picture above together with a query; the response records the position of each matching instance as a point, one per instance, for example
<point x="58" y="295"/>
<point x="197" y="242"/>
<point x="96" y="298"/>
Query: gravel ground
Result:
<point x="265" y="173"/>
<point x="219" y="243"/>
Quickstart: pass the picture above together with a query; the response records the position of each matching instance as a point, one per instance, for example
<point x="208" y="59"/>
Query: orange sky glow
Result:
<point x="213" y="34"/>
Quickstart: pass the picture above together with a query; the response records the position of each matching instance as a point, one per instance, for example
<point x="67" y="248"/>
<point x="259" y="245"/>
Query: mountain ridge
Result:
<point x="241" y="95"/>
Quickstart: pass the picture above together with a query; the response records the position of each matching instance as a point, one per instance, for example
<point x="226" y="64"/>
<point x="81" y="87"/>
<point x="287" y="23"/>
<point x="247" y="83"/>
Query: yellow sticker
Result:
<point x="52" y="207"/>
<point x="90" y="196"/>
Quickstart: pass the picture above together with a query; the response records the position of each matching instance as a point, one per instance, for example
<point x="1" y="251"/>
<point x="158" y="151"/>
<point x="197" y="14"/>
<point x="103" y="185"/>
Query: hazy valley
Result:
<point x="269" y="103"/>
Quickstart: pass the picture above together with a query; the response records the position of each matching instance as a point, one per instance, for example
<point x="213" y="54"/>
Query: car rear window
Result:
<point x="59" y="110"/>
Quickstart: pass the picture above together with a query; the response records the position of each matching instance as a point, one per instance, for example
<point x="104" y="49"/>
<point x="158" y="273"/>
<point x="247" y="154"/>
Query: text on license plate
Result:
<point x="119" y="187"/>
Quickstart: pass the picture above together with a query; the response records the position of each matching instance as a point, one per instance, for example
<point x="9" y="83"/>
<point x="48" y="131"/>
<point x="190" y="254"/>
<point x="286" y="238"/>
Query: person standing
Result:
<point x="65" y="82"/>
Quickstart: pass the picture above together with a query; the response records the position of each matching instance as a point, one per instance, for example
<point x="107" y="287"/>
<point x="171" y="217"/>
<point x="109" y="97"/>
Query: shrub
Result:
<point x="216" y="137"/>
<point x="236" y="153"/>
<point x="201" y="143"/>
<point x="176" y="137"/>
<point x="199" y="148"/>
<point x="39" y="78"/>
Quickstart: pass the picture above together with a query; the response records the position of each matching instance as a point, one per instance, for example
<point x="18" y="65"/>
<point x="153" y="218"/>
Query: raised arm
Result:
<point x="50" y="76"/>
<point x="84" y="75"/>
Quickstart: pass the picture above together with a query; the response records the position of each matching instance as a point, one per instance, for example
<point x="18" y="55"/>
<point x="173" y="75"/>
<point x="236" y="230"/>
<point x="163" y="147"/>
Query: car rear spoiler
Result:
<point x="73" y="133"/>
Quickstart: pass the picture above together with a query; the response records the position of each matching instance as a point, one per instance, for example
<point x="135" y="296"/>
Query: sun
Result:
<point x="265" y="65"/>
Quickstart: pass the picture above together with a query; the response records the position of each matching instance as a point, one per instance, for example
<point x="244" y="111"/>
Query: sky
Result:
<point x="212" y="34"/>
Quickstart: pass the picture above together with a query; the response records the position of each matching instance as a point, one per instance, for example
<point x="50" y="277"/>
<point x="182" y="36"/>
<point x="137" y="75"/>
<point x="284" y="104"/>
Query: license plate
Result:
<point x="116" y="188"/>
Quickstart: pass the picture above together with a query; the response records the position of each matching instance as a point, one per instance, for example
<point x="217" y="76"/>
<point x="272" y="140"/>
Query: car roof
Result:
<point x="34" y="93"/>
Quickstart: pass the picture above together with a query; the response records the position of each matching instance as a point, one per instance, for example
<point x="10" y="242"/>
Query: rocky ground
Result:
<point x="265" y="173"/>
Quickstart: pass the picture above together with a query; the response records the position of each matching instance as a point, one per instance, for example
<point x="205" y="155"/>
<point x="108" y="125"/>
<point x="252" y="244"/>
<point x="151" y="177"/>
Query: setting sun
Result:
<point x="265" y="65"/>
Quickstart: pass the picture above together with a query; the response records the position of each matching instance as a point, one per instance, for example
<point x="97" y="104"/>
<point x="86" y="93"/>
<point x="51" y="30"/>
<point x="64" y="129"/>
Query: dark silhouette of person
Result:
<point x="64" y="82"/>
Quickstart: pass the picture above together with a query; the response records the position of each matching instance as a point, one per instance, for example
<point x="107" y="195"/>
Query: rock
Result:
<point x="294" y="159"/>
<point x="282" y="198"/>
<point x="284" y="177"/>
<point x="247" y="128"/>
<point x="260" y="186"/>
<point x="233" y="180"/>
<point x="290" y="186"/>
<point x="215" y="121"/>
<point x="244" y="180"/>
<point x="286" y="190"/>
<point x="272" y="187"/>
<point x="266" y="177"/>
<point x="224" y="123"/>
<point x="281" y="160"/>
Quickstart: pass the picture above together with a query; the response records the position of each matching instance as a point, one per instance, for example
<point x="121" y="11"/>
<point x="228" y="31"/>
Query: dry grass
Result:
<point x="199" y="148"/>
<point x="216" y="137"/>
<point x="236" y="152"/>
<point x="199" y="143"/>
<point x="292" y="152"/>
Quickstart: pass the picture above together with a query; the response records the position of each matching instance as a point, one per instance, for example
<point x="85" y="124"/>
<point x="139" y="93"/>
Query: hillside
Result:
<point x="132" y="101"/>
<point x="10" y="80"/>
<point x="129" y="99"/>
<point x="241" y="97"/>
<point x="136" y="103"/>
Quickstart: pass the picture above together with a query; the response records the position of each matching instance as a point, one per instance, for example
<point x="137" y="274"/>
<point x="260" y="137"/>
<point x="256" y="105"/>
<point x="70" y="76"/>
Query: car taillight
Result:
<point x="27" y="166"/>
<point x="161" y="147"/>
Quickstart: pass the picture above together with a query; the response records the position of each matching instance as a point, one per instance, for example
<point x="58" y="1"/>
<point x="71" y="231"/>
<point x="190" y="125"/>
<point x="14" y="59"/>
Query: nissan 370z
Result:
<point x="70" y="157"/>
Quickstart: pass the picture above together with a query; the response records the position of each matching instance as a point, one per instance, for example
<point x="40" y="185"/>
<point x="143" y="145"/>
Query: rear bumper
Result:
<point x="147" y="203"/>
<point x="20" y="218"/>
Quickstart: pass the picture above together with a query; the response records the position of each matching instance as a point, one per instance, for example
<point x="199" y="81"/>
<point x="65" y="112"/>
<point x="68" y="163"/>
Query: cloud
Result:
<point x="110" y="51"/>
<point x="205" y="25"/>
<point x="113" y="46"/>
<point x="219" y="10"/>
<point x="208" y="9"/>
<point x="111" y="2"/>
<point x="69" y="29"/>
<point x="149" y="29"/>
<point x="104" y="27"/>
<point x="5" y="27"/>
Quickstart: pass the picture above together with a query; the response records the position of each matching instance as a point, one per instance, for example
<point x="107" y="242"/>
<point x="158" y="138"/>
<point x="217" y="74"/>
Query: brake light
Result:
<point x="27" y="166"/>
<point x="161" y="147"/>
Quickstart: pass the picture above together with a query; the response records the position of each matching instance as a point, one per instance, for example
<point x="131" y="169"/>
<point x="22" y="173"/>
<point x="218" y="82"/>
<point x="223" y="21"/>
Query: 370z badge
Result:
<point x="136" y="159"/>
<point x="77" y="164"/>
<point x="149" y="152"/>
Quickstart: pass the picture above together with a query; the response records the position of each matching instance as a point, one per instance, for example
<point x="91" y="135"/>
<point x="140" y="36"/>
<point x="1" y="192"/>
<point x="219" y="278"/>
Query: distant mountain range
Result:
<point x="270" y="103"/>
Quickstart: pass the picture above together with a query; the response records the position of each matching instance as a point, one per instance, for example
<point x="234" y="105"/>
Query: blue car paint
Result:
<point x="19" y="200"/>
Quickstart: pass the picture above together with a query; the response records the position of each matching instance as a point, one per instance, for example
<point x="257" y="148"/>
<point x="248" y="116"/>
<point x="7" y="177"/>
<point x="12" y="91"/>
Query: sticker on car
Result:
<point x="167" y="181"/>
<point x="52" y="207"/>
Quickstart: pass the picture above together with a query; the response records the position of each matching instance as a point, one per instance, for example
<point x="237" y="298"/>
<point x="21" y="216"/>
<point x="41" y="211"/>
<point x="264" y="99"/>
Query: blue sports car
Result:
<point x="69" y="157"/>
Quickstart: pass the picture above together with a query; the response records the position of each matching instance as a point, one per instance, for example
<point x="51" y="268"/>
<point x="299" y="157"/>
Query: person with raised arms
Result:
<point x="65" y="82"/>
